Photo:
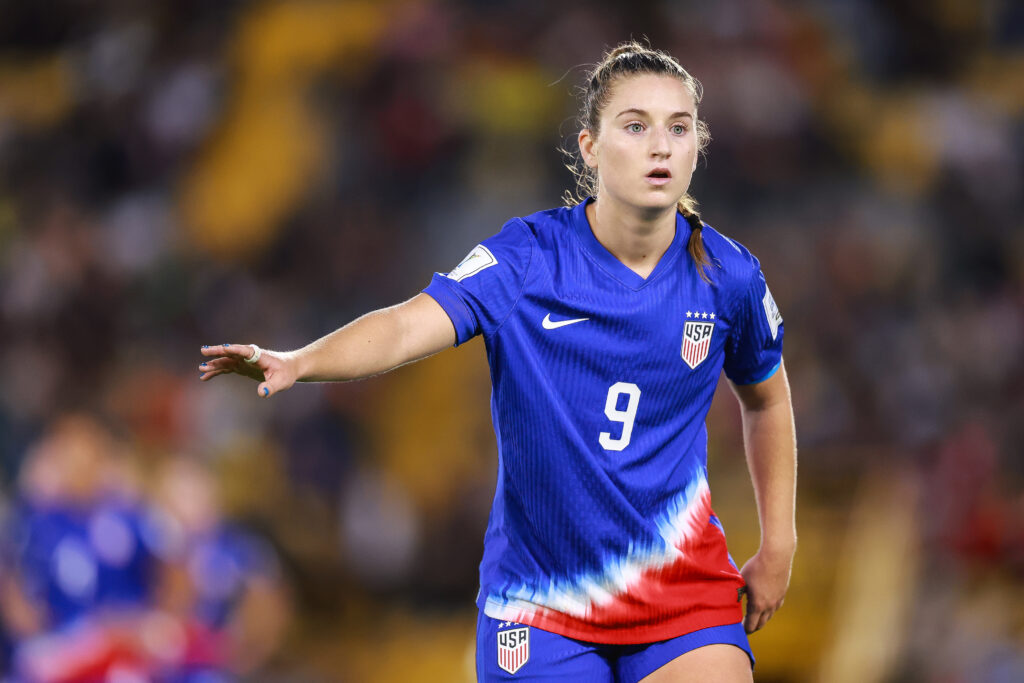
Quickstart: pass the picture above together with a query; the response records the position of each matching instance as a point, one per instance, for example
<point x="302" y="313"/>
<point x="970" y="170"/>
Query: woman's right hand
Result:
<point x="274" y="370"/>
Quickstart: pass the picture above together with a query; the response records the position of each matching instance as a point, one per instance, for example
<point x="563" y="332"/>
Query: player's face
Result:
<point x="646" y="149"/>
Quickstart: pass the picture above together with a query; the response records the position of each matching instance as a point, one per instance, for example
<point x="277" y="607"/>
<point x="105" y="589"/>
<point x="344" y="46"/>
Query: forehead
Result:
<point x="649" y="92"/>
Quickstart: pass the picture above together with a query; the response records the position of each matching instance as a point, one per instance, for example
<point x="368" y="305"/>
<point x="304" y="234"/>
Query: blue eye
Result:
<point x="678" y="129"/>
<point x="635" y="128"/>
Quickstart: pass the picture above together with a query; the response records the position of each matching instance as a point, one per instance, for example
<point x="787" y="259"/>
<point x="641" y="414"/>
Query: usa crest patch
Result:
<point x="696" y="342"/>
<point x="513" y="648"/>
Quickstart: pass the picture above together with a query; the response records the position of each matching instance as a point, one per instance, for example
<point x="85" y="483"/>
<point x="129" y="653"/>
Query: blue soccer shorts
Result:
<point x="507" y="651"/>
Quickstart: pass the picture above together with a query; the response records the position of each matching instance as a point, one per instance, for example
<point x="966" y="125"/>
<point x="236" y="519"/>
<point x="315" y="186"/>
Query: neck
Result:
<point x="637" y="237"/>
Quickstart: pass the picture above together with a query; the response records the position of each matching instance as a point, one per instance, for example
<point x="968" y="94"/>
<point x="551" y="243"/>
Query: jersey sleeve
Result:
<point x="754" y="350"/>
<point x="480" y="293"/>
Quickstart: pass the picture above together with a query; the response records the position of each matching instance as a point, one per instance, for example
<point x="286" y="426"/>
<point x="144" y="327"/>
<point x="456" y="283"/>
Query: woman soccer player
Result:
<point x="606" y="326"/>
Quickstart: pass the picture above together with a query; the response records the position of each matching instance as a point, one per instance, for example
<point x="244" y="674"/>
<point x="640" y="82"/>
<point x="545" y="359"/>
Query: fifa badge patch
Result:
<point x="697" y="338"/>
<point x="476" y="260"/>
<point x="513" y="648"/>
<point x="771" y="312"/>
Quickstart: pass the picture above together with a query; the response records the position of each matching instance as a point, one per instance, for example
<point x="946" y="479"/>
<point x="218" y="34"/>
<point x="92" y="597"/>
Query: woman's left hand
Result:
<point x="767" y="576"/>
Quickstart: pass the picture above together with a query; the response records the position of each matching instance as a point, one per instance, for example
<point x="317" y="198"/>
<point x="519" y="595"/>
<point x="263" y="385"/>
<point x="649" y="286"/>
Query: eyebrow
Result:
<point x="641" y="112"/>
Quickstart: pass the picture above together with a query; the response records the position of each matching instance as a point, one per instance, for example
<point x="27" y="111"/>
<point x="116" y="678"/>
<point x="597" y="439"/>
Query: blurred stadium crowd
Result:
<point x="182" y="173"/>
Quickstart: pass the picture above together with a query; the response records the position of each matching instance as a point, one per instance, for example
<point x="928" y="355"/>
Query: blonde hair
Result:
<point x="630" y="59"/>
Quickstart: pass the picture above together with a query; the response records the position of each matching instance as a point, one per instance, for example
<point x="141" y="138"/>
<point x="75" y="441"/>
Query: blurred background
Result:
<point x="179" y="173"/>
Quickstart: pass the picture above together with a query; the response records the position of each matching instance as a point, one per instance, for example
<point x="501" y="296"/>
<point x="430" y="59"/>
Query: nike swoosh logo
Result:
<point x="550" y="324"/>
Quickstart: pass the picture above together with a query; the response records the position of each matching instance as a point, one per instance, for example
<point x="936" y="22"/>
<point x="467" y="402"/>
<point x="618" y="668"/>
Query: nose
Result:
<point x="660" y="146"/>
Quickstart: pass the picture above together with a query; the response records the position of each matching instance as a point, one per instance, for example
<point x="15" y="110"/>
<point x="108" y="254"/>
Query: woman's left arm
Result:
<point x="769" y="438"/>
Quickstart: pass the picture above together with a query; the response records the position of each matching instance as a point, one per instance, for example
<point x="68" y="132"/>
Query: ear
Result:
<point x="588" y="147"/>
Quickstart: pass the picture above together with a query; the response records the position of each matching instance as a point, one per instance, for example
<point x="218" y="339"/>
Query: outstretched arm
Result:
<point x="769" y="438"/>
<point x="375" y="343"/>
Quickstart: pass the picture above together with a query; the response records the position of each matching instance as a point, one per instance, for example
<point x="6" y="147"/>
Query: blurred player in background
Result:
<point x="222" y="581"/>
<point x="607" y="325"/>
<point x="99" y="583"/>
<point x="80" y="563"/>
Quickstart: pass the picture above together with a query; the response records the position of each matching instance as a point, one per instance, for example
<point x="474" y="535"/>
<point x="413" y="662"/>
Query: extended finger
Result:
<point x="221" y="363"/>
<point x="250" y="353"/>
<point x="224" y="349"/>
<point x="241" y="351"/>
<point x="212" y="373"/>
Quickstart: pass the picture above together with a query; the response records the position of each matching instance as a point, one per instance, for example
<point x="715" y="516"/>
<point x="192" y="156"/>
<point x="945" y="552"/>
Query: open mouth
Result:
<point x="659" y="176"/>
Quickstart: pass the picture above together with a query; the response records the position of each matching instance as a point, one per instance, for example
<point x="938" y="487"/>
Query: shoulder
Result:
<point x="733" y="264"/>
<point x="515" y="243"/>
<point x="548" y="218"/>
<point x="510" y="248"/>
<point x="526" y="231"/>
<point x="543" y="226"/>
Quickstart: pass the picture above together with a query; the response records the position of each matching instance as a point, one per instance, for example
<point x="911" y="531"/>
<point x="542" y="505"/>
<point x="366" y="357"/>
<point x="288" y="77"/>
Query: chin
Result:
<point x="657" y="201"/>
<point x="647" y="200"/>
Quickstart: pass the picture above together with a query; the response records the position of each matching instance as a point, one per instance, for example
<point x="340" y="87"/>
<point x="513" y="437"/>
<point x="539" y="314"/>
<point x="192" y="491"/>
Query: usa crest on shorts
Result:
<point x="697" y="339"/>
<point x="513" y="648"/>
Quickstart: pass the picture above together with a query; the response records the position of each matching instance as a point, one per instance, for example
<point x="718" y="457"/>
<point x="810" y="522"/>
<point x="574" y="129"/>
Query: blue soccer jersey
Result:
<point x="82" y="560"/>
<point x="602" y="527"/>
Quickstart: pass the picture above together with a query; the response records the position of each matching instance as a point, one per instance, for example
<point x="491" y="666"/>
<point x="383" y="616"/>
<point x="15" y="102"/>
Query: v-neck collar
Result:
<point x="610" y="263"/>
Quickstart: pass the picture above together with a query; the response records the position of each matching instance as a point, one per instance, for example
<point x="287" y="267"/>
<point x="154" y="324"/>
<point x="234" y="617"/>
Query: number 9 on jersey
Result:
<point x="627" y="417"/>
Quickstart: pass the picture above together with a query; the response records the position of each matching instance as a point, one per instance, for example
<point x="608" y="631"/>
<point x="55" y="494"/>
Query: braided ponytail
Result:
<point x="696" y="245"/>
